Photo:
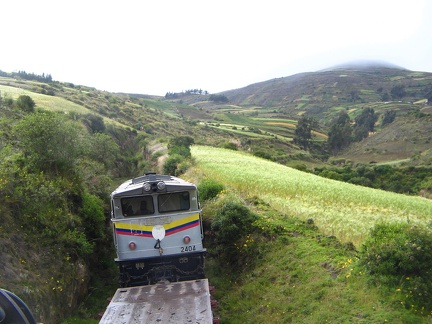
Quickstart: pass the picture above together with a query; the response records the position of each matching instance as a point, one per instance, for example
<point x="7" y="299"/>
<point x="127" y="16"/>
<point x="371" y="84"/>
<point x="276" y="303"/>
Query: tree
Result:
<point x="218" y="98"/>
<point x="95" y="123"/>
<point x="364" y="123"/>
<point x="171" y="165"/>
<point x="25" y="103"/>
<point x="303" y="132"/>
<point x="354" y="95"/>
<point x="339" y="136"/>
<point x="389" y="117"/>
<point x="180" y="145"/>
<point x="398" y="92"/>
<point x="181" y="141"/>
<point x="428" y="94"/>
<point x="103" y="149"/>
<point x="49" y="142"/>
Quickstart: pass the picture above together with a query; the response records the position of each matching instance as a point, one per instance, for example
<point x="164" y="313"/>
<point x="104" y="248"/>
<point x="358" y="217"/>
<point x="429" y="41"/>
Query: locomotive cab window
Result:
<point x="176" y="201"/>
<point x="137" y="206"/>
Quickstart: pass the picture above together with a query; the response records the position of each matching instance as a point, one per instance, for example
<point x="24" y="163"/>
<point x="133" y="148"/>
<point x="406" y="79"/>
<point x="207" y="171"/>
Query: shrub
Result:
<point x="263" y="154"/>
<point x="232" y="222"/>
<point x="171" y="164"/>
<point x="399" y="256"/>
<point x="230" y="146"/>
<point x="25" y="103"/>
<point x="209" y="189"/>
<point x="180" y="150"/>
<point x="76" y="241"/>
<point x="93" y="217"/>
<point x="237" y="240"/>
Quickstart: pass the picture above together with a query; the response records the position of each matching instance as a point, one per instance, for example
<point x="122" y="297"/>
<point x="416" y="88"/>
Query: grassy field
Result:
<point x="303" y="275"/>
<point x="52" y="103"/>
<point x="344" y="210"/>
<point x="44" y="101"/>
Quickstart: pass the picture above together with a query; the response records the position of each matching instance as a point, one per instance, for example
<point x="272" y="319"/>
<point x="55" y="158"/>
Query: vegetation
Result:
<point x="218" y="98"/>
<point x="399" y="258"/>
<point x="288" y="271"/>
<point x="340" y="133"/>
<point x="364" y="124"/>
<point x="53" y="177"/>
<point x="341" y="209"/>
<point x="292" y="236"/>
<point x="406" y="180"/>
<point x="28" y="76"/>
<point x="209" y="189"/>
<point x="179" y="155"/>
<point x="303" y="132"/>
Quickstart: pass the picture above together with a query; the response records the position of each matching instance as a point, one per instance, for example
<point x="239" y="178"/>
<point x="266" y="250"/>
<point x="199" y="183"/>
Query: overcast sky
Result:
<point x="159" y="46"/>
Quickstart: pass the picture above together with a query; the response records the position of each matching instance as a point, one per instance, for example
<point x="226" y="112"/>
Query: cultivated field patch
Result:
<point x="341" y="209"/>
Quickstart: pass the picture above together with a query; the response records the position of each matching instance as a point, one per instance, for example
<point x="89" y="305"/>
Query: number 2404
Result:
<point x="189" y="248"/>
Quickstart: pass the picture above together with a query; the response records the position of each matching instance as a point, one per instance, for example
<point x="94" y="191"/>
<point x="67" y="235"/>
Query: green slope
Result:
<point x="302" y="275"/>
<point x="341" y="209"/>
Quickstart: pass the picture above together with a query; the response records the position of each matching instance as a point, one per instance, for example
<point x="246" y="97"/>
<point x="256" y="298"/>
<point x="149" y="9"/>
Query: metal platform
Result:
<point x="171" y="302"/>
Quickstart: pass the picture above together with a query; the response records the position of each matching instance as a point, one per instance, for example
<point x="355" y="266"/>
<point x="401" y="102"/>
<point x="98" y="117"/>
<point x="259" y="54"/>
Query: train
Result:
<point x="157" y="229"/>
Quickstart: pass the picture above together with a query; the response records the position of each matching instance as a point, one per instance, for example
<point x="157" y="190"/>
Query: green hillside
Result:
<point x="344" y="210"/>
<point x="323" y="95"/>
<point x="299" y="264"/>
<point x="264" y="115"/>
<point x="60" y="160"/>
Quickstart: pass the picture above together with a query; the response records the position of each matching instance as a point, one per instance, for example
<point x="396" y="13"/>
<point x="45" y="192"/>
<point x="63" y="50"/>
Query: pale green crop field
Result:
<point x="52" y="103"/>
<point x="337" y="208"/>
<point x="44" y="101"/>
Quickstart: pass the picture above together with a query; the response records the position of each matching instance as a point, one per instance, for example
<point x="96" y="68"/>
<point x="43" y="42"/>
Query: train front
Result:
<point x="157" y="230"/>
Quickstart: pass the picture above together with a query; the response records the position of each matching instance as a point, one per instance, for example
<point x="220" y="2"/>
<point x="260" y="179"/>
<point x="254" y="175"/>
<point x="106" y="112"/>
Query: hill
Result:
<point x="298" y="263"/>
<point x="138" y="128"/>
<point x="263" y="116"/>
<point x="272" y="108"/>
<point x="323" y="93"/>
<point x="345" y="210"/>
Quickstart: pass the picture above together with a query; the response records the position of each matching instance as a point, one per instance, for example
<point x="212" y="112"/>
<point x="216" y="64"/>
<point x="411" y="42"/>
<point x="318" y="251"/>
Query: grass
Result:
<point x="341" y="209"/>
<point x="297" y="282"/>
<point x="44" y="101"/>
<point x="300" y="275"/>
<point x="52" y="103"/>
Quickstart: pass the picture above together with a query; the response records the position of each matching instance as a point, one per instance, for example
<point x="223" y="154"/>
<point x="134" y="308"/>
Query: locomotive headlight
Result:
<point x="132" y="245"/>
<point x="186" y="239"/>
<point x="146" y="186"/>
<point x="161" y="185"/>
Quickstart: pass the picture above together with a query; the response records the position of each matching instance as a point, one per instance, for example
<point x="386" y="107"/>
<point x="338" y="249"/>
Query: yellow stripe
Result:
<point x="149" y="228"/>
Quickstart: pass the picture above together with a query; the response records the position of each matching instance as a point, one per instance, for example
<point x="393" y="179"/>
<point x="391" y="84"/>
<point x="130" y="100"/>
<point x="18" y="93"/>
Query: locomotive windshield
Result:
<point x="137" y="206"/>
<point x="176" y="201"/>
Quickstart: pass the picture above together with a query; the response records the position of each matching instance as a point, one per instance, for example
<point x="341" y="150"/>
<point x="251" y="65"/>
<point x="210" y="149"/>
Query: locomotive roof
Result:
<point x="134" y="186"/>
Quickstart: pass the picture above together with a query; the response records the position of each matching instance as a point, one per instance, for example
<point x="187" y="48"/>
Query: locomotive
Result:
<point x="157" y="229"/>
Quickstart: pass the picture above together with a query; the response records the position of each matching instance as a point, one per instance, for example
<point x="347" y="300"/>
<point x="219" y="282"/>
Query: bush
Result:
<point x="76" y="241"/>
<point x="230" y="146"/>
<point x="180" y="150"/>
<point x="236" y="240"/>
<point x="25" y="103"/>
<point x="263" y="154"/>
<point x="208" y="189"/>
<point x="171" y="164"/>
<point x="232" y="222"/>
<point x="93" y="217"/>
<point x="399" y="256"/>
